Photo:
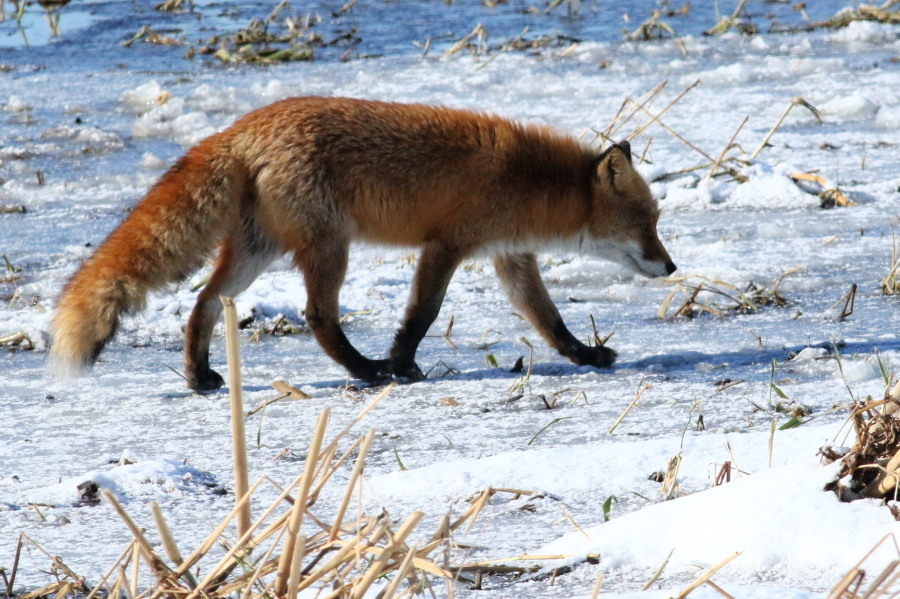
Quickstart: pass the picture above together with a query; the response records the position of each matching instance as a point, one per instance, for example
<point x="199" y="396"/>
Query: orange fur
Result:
<point x="308" y="175"/>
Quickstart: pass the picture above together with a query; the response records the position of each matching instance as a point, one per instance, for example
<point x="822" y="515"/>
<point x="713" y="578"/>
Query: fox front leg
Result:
<point x="521" y="278"/>
<point x="436" y="266"/>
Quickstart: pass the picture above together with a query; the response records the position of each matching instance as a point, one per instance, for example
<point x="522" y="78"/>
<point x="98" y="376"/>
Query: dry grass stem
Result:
<point x="19" y="340"/>
<point x="347" y="558"/>
<point x="748" y="301"/>
<point x="705" y="576"/>
<point x="849" y="587"/>
<point x="728" y="146"/>
<point x="890" y="284"/>
<point x="658" y="572"/>
<point x="829" y="196"/>
<point x="642" y="387"/>
<point x="798" y="101"/>
<point x="235" y="394"/>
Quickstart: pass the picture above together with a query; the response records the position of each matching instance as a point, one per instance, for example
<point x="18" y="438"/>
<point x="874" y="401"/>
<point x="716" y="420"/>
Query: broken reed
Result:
<point x="273" y="558"/>
<point x="740" y="302"/>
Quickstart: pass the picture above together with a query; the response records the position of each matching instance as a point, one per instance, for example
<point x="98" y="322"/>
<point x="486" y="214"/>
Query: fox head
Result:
<point x="623" y="225"/>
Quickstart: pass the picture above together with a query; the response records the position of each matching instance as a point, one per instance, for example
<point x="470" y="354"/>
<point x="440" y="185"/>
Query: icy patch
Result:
<point x="16" y="104"/>
<point x="889" y="117"/>
<point x="169" y="121"/>
<point x="144" y="97"/>
<point x="150" y="161"/>
<point x="209" y="99"/>
<point x="272" y="91"/>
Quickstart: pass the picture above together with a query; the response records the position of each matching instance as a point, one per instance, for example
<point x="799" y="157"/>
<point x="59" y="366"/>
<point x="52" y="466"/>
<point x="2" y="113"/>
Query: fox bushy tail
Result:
<point x="164" y="238"/>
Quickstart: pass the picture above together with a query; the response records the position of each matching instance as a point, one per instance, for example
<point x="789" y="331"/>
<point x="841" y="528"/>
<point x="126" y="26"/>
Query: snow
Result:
<point x="102" y="126"/>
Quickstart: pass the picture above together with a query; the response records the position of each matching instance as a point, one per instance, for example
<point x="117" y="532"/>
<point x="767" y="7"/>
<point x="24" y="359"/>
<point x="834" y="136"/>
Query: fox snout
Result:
<point x="649" y="258"/>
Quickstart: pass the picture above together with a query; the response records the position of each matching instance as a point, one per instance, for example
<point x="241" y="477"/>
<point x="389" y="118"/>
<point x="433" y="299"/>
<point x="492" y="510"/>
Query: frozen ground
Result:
<point x="91" y="123"/>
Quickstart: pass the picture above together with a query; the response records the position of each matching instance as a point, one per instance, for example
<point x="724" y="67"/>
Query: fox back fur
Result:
<point x="306" y="176"/>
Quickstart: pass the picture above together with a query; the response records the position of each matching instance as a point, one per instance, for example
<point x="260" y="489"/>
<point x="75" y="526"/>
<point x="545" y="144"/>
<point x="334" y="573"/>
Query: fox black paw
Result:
<point x="373" y="371"/>
<point x="411" y="372"/>
<point x="205" y="380"/>
<point x="598" y="357"/>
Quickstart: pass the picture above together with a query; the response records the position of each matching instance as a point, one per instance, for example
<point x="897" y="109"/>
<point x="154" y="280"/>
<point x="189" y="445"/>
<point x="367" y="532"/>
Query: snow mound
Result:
<point x="865" y="31"/>
<point x="146" y="477"/>
<point x="706" y="527"/>
<point x="849" y="107"/>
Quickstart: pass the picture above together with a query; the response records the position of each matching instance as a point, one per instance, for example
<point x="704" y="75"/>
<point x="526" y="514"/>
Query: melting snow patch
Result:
<point x="849" y="107"/>
<point x="149" y="477"/>
<point x="705" y="527"/>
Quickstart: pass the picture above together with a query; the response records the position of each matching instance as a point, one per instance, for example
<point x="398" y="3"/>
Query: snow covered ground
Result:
<point x="93" y="125"/>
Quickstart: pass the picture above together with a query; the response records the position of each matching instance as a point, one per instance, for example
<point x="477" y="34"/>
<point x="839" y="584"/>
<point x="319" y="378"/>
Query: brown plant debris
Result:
<point x="883" y="584"/>
<point x="864" y="12"/>
<point x="19" y="340"/>
<point x="829" y="197"/>
<point x="653" y="28"/>
<point x="278" y="557"/>
<point x="871" y="467"/>
<point x="748" y="301"/>
<point x="890" y="284"/>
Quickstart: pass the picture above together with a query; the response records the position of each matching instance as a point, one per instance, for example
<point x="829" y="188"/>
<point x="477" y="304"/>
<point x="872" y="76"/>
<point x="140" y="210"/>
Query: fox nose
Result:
<point x="670" y="267"/>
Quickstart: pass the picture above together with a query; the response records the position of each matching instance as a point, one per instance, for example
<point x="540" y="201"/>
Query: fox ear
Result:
<point x="626" y="149"/>
<point x="613" y="163"/>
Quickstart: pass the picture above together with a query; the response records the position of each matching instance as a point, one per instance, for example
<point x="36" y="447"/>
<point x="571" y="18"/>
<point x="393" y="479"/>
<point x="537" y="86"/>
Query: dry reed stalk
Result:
<point x="856" y="574"/>
<point x="238" y="435"/>
<point x="642" y="387"/>
<point x="351" y="485"/>
<point x="619" y="121"/>
<point x="654" y="118"/>
<point x="705" y="576"/>
<point x="670" y="487"/>
<point x="728" y="146"/>
<point x="658" y="572"/>
<point x="208" y="543"/>
<point x="299" y="509"/>
<point x="122" y="556"/>
<point x="479" y="32"/>
<point x="374" y="570"/>
<point x="890" y="284"/>
<point x="830" y="195"/>
<point x="391" y="589"/>
<point x="727" y="23"/>
<point x="795" y="102"/>
<point x="296" y="567"/>
<point x="159" y="569"/>
<point x="718" y="589"/>
<point x="168" y="542"/>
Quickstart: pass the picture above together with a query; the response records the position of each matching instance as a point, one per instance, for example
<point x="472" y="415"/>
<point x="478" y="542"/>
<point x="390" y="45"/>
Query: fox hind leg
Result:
<point x="521" y="278"/>
<point x="242" y="258"/>
<point x="436" y="266"/>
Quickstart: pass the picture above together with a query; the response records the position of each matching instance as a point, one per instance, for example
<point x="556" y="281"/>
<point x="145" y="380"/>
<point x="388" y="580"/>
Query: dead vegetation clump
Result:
<point x="863" y="12"/>
<point x="871" y="467"/>
<point x="737" y="301"/>
<point x="890" y="284"/>
<point x="273" y="557"/>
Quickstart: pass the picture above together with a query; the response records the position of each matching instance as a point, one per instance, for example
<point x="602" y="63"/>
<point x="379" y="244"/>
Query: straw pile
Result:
<point x="273" y="558"/>
<point x="872" y="464"/>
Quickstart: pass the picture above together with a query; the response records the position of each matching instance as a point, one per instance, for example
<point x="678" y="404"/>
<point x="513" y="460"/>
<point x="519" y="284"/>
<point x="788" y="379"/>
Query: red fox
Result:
<point x="306" y="176"/>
